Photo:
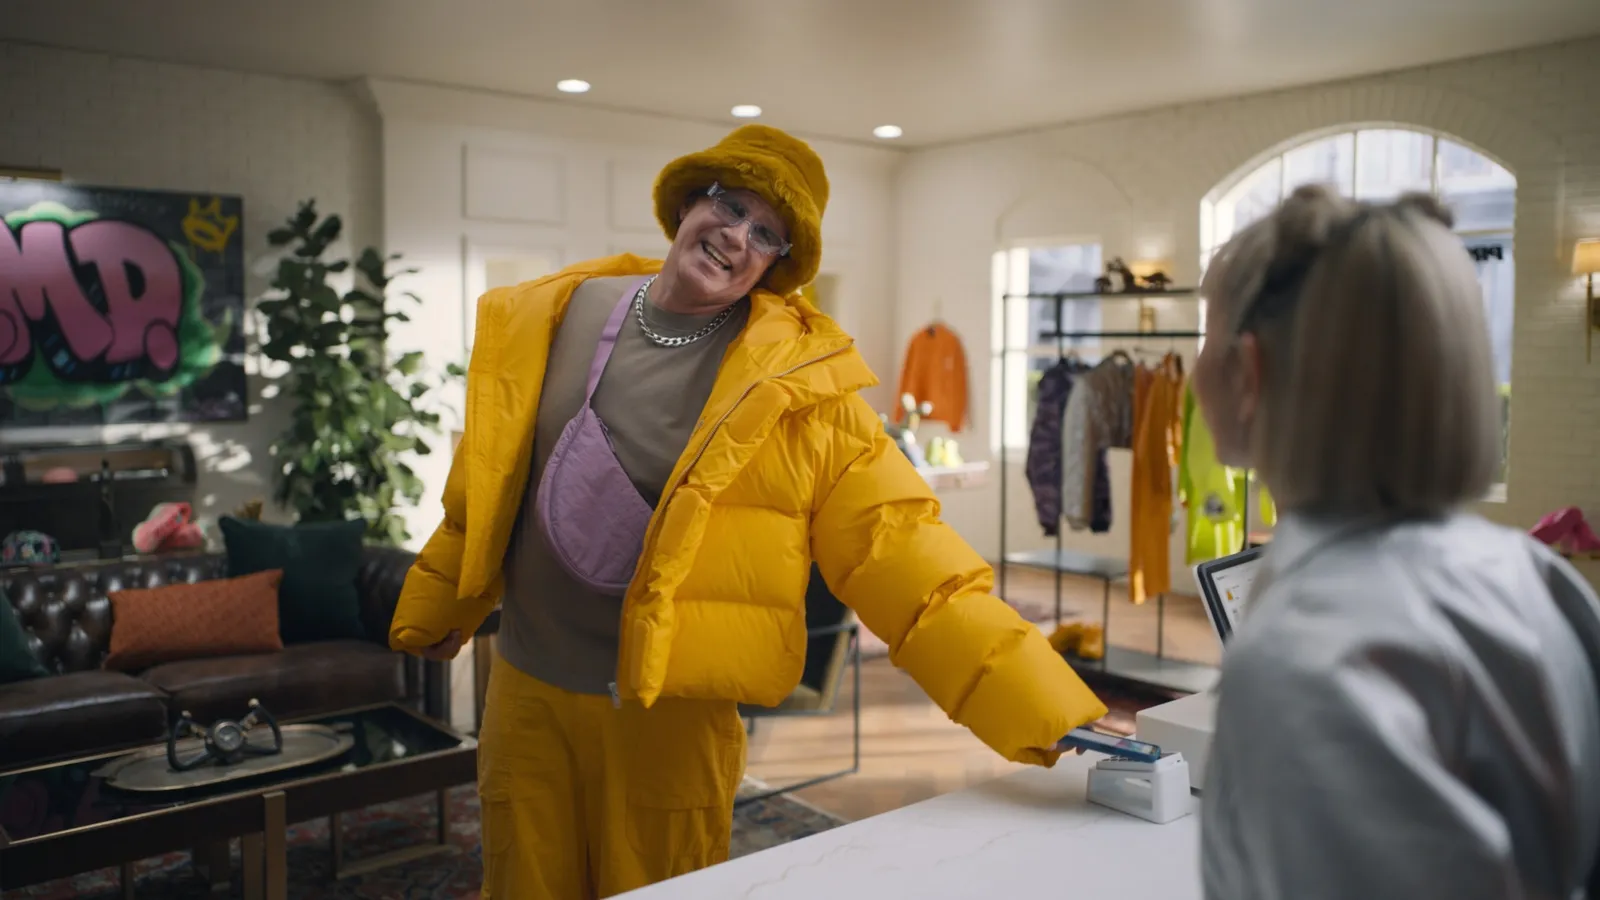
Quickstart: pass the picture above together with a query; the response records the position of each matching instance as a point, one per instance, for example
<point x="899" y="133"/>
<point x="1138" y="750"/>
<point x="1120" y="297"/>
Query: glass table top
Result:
<point x="58" y="797"/>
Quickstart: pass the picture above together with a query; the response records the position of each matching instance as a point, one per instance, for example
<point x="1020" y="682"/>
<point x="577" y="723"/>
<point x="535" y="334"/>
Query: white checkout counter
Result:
<point x="1031" y="834"/>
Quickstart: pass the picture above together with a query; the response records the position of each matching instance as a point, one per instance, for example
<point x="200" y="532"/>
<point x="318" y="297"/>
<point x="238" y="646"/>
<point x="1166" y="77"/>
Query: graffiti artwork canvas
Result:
<point x="119" y="306"/>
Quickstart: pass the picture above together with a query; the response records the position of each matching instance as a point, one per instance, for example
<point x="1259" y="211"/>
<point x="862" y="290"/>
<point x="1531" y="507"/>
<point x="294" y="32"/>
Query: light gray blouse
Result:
<point x="1410" y="712"/>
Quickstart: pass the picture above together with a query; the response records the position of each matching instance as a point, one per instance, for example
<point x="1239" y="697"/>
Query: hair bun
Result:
<point x="1427" y="205"/>
<point x="1307" y="218"/>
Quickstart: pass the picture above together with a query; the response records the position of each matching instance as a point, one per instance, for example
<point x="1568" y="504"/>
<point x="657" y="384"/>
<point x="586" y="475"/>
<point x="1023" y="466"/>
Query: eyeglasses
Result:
<point x="731" y="212"/>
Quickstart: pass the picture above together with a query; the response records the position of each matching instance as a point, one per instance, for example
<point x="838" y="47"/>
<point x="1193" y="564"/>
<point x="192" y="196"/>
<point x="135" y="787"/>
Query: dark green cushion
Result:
<point x="17" y="662"/>
<point x="317" y="600"/>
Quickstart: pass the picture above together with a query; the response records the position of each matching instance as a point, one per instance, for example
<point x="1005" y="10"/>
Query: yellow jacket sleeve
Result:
<point x="429" y="608"/>
<point x="882" y="549"/>
<point x="430" y="605"/>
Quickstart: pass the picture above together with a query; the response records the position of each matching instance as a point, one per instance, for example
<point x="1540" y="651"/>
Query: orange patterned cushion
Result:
<point x="221" y="617"/>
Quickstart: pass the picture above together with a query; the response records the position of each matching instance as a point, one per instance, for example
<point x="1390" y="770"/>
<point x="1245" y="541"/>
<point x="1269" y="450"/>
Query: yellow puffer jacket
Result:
<point x="788" y="464"/>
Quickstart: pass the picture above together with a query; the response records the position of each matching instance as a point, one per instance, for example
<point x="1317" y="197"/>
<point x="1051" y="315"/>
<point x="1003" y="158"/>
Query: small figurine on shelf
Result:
<point x="943" y="453"/>
<point x="1117" y="267"/>
<point x="1157" y="281"/>
<point x="250" y="510"/>
<point x="905" y="436"/>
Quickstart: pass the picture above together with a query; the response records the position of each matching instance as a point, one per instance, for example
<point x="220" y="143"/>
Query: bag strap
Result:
<point x="608" y="337"/>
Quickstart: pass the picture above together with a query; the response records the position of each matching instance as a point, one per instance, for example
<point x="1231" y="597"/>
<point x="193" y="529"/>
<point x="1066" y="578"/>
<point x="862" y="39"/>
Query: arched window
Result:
<point x="1380" y="164"/>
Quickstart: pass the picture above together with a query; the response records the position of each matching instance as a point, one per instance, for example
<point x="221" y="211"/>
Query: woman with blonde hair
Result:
<point x="1411" y="706"/>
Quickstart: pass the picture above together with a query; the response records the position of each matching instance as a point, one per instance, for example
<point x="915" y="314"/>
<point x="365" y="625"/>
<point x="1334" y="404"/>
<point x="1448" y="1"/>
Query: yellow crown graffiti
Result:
<point x="207" y="228"/>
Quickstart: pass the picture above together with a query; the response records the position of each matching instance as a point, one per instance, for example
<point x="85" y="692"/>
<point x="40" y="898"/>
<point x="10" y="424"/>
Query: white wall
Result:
<point x="467" y="173"/>
<point x="274" y="141"/>
<point x="1136" y="182"/>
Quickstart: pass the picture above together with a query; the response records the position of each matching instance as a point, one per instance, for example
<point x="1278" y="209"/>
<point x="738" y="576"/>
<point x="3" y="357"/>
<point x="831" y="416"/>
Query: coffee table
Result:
<point x="60" y="819"/>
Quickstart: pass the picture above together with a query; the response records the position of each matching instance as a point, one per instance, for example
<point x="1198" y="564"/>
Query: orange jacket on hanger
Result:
<point x="935" y="371"/>
<point x="1157" y="438"/>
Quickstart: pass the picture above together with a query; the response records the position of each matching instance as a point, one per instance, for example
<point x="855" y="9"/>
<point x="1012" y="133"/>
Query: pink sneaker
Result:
<point x="187" y="536"/>
<point x="1567" y="532"/>
<point x="163" y="520"/>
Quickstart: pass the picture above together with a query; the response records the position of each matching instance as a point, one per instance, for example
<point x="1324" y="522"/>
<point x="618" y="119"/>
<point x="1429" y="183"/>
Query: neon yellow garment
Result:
<point x="1214" y="494"/>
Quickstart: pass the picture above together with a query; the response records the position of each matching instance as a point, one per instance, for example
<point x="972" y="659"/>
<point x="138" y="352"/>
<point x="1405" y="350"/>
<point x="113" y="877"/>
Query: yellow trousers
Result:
<point x="583" y="799"/>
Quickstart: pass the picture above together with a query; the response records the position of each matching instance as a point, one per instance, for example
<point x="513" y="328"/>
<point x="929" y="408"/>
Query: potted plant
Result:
<point x="356" y="410"/>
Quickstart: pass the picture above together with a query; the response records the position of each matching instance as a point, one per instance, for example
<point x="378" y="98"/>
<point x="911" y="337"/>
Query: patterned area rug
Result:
<point x="452" y="875"/>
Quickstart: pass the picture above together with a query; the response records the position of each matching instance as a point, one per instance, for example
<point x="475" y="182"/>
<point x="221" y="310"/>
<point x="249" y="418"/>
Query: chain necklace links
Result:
<point x="661" y="340"/>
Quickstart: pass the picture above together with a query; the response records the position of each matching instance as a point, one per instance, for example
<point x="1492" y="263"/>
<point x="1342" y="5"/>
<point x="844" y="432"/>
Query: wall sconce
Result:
<point x="1586" y="262"/>
<point x="1143" y="270"/>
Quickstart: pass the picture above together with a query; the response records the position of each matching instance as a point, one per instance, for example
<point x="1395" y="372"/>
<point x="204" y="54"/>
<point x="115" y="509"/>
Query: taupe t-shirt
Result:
<point x="650" y="398"/>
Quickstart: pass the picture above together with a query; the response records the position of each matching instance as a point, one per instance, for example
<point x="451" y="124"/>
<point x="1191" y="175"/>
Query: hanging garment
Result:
<point x="935" y="371"/>
<point x="1043" y="467"/>
<point x="1099" y="416"/>
<point x="1157" y="443"/>
<point x="1214" y="495"/>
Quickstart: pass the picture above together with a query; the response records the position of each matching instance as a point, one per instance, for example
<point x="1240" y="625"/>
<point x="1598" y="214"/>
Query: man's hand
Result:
<point x="446" y="649"/>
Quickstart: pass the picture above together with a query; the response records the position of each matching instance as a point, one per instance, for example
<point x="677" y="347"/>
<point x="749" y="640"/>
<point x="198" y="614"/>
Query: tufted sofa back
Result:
<point x="65" y="610"/>
<point x="67" y="613"/>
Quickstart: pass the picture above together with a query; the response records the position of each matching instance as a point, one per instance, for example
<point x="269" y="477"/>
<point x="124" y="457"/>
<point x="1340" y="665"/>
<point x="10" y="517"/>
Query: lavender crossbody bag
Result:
<point x="591" y="515"/>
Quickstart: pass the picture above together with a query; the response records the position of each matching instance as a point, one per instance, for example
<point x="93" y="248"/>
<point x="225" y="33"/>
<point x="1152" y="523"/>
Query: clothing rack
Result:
<point x="1120" y="664"/>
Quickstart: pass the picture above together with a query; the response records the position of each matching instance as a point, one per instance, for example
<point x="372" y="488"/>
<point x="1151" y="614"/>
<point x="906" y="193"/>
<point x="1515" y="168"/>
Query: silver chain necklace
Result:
<point x="661" y="340"/>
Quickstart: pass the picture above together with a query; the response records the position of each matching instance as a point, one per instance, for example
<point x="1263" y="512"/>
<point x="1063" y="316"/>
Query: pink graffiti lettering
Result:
<point x="37" y="279"/>
<point x="145" y="325"/>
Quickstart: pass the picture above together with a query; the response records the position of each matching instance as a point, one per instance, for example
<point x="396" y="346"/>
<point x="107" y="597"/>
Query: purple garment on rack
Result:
<point x="1100" y="502"/>
<point x="1043" y="467"/>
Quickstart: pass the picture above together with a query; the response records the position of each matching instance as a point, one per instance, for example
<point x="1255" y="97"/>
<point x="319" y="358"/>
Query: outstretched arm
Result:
<point x="878" y="539"/>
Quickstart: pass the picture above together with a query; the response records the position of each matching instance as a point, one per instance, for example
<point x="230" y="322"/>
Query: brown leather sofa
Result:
<point x="83" y="709"/>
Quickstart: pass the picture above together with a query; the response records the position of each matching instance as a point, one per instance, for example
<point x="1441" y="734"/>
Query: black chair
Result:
<point x="832" y="643"/>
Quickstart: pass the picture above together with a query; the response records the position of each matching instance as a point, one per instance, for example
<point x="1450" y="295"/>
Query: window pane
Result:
<point x="1250" y="199"/>
<point x="1487" y="210"/>
<point x="1066" y="269"/>
<point x="1497" y="277"/>
<point x="1328" y="161"/>
<point x="1390" y="162"/>
<point x="1479" y="190"/>
<point x="1022" y="374"/>
<point x="1465" y="169"/>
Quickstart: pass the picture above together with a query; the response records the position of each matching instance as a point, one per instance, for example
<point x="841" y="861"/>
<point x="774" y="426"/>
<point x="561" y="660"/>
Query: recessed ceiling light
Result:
<point x="887" y="132"/>
<point x="572" y="86"/>
<point x="747" y="111"/>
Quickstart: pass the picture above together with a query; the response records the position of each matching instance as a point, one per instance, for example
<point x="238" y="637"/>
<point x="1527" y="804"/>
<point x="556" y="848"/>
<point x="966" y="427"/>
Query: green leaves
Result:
<point x="356" y="412"/>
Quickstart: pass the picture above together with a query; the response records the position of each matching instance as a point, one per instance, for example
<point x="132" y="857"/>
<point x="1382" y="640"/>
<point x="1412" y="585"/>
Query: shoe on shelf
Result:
<point x="164" y="519"/>
<point x="187" y="536"/>
<point x="1567" y="532"/>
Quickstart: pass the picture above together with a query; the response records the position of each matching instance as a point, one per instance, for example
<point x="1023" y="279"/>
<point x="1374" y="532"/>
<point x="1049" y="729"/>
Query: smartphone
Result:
<point x="1110" y="744"/>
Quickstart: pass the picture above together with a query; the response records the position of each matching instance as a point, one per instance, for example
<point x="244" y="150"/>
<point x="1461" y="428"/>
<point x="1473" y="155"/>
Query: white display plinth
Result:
<point x="1182" y="726"/>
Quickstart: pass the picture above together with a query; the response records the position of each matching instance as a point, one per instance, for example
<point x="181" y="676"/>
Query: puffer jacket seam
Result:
<point x="836" y="476"/>
<point x="999" y="650"/>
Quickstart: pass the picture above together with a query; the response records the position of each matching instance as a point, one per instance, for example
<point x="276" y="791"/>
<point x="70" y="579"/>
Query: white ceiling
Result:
<point x="942" y="69"/>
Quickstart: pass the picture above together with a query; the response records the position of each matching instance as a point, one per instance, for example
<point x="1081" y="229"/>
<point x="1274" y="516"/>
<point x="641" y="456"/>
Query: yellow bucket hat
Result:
<point x="779" y="167"/>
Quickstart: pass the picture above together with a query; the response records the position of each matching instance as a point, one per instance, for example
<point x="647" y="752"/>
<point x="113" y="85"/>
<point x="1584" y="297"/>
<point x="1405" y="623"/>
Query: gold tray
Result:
<point x="147" y="770"/>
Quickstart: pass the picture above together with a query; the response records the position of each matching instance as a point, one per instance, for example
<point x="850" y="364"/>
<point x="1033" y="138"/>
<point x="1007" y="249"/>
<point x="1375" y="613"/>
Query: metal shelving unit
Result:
<point x="1120" y="664"/>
